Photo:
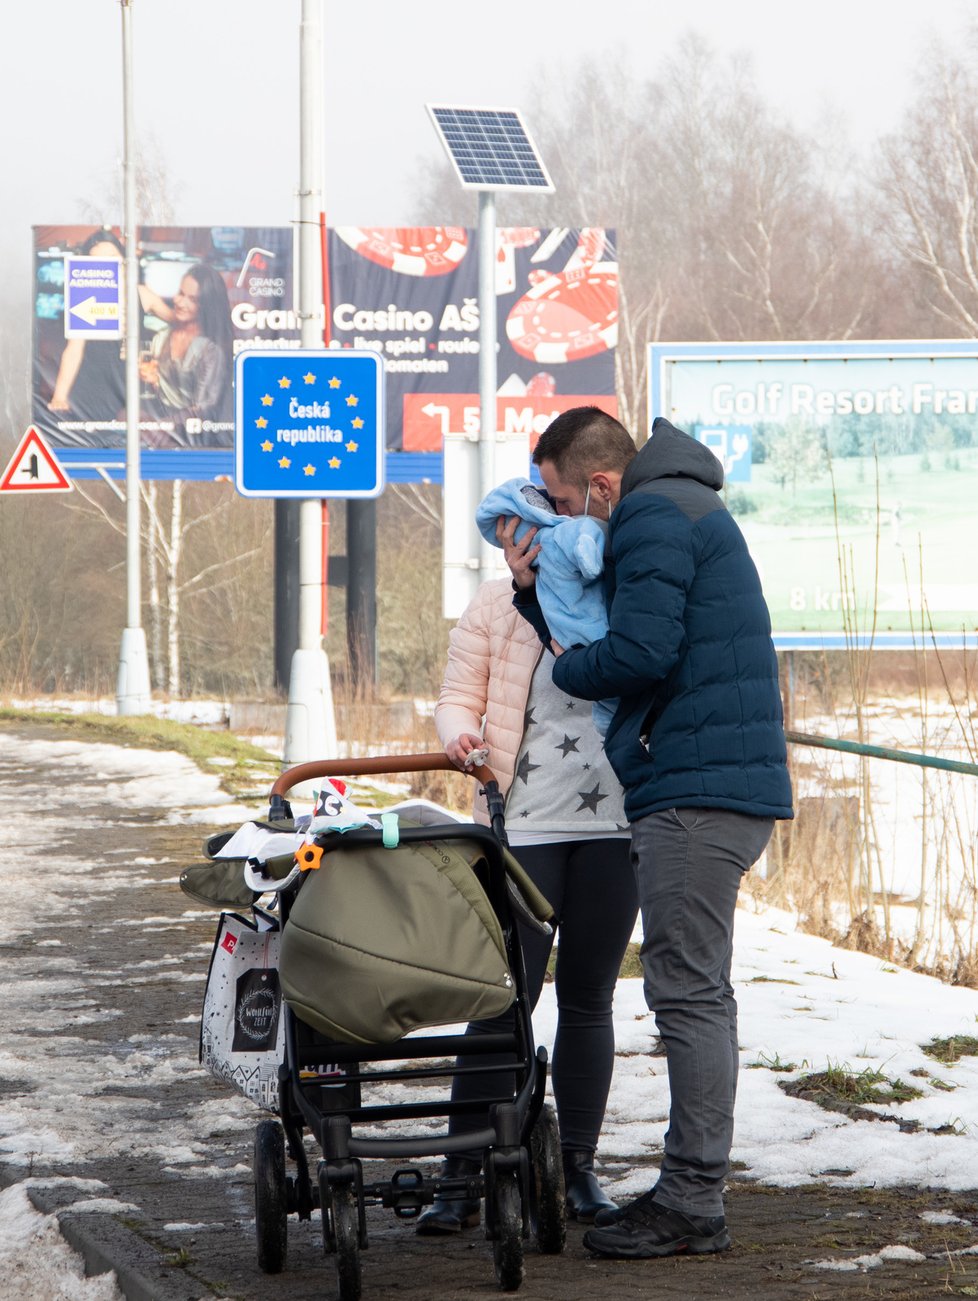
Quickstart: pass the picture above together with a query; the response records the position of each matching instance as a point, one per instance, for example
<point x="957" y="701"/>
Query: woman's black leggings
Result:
<point x="591" y="887"/>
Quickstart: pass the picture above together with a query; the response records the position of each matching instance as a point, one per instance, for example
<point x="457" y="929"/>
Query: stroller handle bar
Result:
<point x="437" y="761"/>
<point x="433" y="762"/>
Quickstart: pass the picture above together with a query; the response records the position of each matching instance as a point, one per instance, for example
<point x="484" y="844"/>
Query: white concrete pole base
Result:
<point x="310" y="721"/>
<point x="132" y="692"/>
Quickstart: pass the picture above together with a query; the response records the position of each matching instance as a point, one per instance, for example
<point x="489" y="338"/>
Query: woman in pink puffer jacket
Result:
<point x="566" y="825"/>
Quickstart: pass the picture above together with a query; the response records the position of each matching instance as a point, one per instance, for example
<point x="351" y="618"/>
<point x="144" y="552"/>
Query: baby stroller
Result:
<point x="326" y="1078"/>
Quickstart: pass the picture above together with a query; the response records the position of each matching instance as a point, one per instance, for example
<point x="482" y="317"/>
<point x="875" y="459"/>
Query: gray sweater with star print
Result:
<point x="563" y="782"/>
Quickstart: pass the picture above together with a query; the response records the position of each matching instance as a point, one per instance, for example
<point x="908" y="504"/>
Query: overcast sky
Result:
<point x="216" y="88"/>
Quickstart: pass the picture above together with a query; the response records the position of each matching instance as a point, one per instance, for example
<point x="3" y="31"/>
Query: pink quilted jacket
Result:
<point x="492" y="653"/>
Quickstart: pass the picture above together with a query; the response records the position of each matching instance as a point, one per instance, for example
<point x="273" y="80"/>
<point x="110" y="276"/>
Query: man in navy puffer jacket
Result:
<point x="698" y="743"/>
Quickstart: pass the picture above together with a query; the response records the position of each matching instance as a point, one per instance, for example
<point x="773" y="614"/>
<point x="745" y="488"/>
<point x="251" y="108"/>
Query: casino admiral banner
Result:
<point x="408" y="294"/>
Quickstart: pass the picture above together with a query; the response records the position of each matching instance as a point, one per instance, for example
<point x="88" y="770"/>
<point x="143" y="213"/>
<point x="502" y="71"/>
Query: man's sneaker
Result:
<point x="645" y="1228"/>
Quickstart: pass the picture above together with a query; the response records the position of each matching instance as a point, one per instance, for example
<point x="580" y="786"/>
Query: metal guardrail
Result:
<point x="882" y="752"/>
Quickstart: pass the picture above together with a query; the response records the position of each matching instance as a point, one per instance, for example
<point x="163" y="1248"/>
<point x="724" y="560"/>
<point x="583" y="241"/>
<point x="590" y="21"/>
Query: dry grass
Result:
<point x="376" y="724"/>
<point x="833" y="865"/>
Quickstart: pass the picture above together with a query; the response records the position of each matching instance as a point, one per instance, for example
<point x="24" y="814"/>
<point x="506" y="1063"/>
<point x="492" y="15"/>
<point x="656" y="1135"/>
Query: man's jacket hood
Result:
<point x="668" y="453"/>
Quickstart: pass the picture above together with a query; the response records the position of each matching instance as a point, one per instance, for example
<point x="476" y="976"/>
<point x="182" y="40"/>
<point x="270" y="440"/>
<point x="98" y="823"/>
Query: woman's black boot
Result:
<point x="584" y="1196"/>
<point x="450" y="1213"/>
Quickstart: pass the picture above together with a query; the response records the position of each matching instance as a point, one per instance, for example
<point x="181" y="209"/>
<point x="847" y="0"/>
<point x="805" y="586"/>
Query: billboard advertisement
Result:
<point x="193" y="283"/>
<point x="407" y="294"/>
<point x="412" y="295"/>
<point x="850" y="469"/>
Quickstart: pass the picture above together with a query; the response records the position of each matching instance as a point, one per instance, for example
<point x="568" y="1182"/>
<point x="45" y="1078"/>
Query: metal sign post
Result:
<point x="487" y="369"/>
<point x="310" y="720"/>
<point x="309" y="424"/>
<point x="132" y="686"/>
<point x="490" y="149"/>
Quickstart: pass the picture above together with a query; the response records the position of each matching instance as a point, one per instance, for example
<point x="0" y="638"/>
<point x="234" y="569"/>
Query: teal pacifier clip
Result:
<point x="390" y="830"/>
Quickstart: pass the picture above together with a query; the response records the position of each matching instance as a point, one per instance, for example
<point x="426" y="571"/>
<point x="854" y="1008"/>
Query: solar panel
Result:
<point x="490" y="148"/>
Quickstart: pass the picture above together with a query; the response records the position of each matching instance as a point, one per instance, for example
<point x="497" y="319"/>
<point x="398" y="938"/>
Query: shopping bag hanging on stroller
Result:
<point x="242" y="1030"/>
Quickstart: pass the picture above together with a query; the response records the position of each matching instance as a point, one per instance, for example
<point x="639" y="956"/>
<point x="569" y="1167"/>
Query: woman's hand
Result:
<point x="153" y="304"/>
<point x="460" y="747"/>
<point x="518" y="555"/>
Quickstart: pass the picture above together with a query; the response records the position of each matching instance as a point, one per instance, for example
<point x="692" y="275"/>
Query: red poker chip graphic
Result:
<point x="567" y="316"/>
<point x="411" y="250"/>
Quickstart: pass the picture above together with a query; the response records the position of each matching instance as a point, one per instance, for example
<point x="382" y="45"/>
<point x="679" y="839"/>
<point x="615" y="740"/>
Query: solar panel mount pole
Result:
<point x="310" y="722"/>
<point x="488" y="554"/>
<point x="132" y="683"/>
<point x="490" y="149"/>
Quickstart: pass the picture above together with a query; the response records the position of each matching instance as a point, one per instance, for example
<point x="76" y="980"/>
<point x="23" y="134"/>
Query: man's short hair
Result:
<point x="583" y="440"/>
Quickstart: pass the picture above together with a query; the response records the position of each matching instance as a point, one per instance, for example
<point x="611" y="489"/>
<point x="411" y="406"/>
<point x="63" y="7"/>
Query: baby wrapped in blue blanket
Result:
<point x="569" y="567"/>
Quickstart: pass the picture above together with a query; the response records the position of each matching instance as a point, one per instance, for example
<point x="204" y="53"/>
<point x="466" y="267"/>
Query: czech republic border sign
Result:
<point x="309" y="423"/>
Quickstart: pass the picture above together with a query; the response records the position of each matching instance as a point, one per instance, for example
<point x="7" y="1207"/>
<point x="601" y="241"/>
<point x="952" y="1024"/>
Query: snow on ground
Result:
<point x="181" y="711"/>
<point x="35" y="1261"/>
<point x="807" y="1006"/>
<point x="131" y="778"/>
<point x="923" y="821"/>
<point x="804" y="1006"/>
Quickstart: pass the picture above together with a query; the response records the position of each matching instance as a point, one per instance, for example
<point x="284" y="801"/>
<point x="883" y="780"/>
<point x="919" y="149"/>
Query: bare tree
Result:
<point x="762" y="243"/>
<point x="60" y="613"/>
<point x="730" y="224"/>
<point x="156" y="190"/>
<point x="210" y="549"/>
<point x="224" y="591"/>
<point x="15" y="370"/>
<point x="928" y="187"/>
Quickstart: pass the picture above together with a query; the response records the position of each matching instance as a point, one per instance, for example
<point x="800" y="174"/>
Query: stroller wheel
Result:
<point x="341" y="1233"/>
<point x="271" y="1205"/>
<point x="507" y="1246"/>
<point x="548" y="1215"/>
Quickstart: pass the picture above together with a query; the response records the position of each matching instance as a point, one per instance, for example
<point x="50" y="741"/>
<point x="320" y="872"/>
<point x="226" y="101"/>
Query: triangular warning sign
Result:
<point x="34" y="468"/>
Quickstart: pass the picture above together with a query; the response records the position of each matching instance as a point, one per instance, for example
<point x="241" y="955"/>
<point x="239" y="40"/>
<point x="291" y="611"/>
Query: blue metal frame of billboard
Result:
<point x="798" y="641"/>
<point x="660" y="354"/>
<point x="83" y="463"/>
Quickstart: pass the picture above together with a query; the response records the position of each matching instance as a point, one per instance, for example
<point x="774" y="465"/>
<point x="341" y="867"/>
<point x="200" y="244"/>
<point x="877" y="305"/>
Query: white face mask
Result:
<point x="587" y="498"/>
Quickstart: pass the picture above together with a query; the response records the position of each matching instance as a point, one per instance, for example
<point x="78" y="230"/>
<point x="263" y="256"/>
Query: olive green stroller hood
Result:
<point x="380" y="942"/>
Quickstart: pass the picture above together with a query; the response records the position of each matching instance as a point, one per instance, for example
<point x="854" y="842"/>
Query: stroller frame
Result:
<point x="320" y="1090"/>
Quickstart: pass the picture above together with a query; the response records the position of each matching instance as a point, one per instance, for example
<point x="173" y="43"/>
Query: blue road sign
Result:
<point x="309" y="423"/>
<point x="93" y="297"/>
<point x="732" y="446"/>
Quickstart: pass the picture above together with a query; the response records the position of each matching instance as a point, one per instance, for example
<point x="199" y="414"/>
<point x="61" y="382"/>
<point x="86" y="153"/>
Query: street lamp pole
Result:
<point x="132" y="687"/>
<point x="310" y="724"/>
<point x="490" y="150"/>
<point x="488" y="431"/>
